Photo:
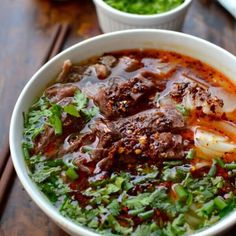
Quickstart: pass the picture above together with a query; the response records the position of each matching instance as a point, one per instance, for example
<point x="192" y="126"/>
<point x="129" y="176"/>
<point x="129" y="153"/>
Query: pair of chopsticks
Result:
<point x="6" y="166"/>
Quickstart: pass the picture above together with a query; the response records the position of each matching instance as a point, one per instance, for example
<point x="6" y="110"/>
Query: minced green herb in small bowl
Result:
<point x="115" y="15"/>
<point x="144" y="7"/>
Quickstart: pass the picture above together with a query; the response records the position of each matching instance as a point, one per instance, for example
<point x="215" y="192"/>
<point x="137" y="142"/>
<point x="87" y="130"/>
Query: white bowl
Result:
<point x="156" y="39"/>
<point x="111" y="19"/>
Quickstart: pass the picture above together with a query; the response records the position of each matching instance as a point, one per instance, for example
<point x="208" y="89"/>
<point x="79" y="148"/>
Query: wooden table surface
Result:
<point x="26" y="30"/>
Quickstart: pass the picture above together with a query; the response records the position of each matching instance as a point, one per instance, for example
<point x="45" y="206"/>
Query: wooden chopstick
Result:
<point x="4" y="156"/>
<point x="6" y="180"/>
<point x="6" y="168"/>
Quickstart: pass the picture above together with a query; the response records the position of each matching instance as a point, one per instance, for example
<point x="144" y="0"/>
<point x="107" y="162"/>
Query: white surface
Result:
<point x="229" y="5"/>
<point x="133" y="39"/>
<point x="111" y="19"/>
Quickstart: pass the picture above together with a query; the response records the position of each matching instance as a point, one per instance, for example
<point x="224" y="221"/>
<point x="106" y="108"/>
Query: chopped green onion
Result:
<point x="181" y="192"/>
<point x="72" y="174"/>
<point x="146" y="215"/>
<point x="208" y="208"/>
<point x="213" y="169"/>
<point x="136" y="211"/>
<point x="220" y="162"/>
<point x="230" y="166"/>
<point x="72" y="110"/>
<point x="172" y="163"/>
<point x="26" y="153"/>
<point x="220" y="203"/>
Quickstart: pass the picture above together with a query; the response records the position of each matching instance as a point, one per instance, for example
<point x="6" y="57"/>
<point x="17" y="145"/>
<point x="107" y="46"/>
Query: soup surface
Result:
<point x="136" y="143"/>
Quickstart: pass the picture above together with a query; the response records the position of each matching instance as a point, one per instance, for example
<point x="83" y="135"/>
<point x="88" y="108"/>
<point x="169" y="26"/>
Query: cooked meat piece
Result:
<point x="108" y="60"/>
<point x="71" y="73"/>
<point x="194" y="96"/>
<point x="166" y="145"/>
<point x="106" y="135"/>
<point x="58" y="92"/>
<point x="48" y="140"/>
<point x="144" y="135"/>
<point x="130" y="64"/>
<point x="106" y="163"/>
<point x="66" y="68"/>
<point x="129" y="140"/>
<point x="157" y="146"/>
<point x="118" y="99"/>
<point x="102" y="71"/>
<point x="78" y="142"/>
<point x="150" y="121"/>
<point x="81" y="162"/>
<point x="44" y="139"/>
<point x="130" y="151"/>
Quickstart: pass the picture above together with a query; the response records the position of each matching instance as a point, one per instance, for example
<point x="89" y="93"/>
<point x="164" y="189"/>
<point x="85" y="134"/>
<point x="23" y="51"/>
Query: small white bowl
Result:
<point x="111" y="19"/>
<point x="141" y="39"/>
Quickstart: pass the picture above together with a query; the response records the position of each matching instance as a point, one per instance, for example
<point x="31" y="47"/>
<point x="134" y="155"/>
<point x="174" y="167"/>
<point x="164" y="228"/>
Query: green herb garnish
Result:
<point x="144" y="7"/>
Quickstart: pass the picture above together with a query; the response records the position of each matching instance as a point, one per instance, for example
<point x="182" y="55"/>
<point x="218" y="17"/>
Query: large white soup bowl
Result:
<point x="133" y="39"/>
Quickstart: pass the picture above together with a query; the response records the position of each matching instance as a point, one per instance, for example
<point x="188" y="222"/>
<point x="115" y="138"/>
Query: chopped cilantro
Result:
<point x="72" y="110"/>
<point x="55" y="118"/>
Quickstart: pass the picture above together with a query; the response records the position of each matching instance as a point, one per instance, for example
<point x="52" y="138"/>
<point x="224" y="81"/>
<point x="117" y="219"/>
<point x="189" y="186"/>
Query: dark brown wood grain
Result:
<point x="25" y="32"/>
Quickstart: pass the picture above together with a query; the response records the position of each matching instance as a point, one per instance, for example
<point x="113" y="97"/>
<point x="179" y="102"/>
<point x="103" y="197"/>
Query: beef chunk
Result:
<point x="101" y="71"/>
<point x="148" y="136"/>
<point x="130" y="64"/>
<point x="150" y="121"/>
<point x="48" y="140"/>
<point x="109" y="61"/>
<point x="71" y="73"/>
<point x="121" y="98"/>
<point x="58" y="92"/>
<point x="133" y="150"/>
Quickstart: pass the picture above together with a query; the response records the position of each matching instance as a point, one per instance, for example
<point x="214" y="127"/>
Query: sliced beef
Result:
<point x="71" y="73"/>
<point x="148" y="136"/>
<point x="48" y="140"/>
<point x="108" y="60"/>
<point x="133" y="150"/>
<point x="130" y="64"/>
<point x="150" y="121"/>
<point x="43" y="139"/>
<point x="119" y="99"/>
<point x="77" y="142"/>
<point x="102" y="71"/>
<point x="58" y="92"/>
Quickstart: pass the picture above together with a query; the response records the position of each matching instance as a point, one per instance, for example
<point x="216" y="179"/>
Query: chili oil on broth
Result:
<point x="134" y="142"/>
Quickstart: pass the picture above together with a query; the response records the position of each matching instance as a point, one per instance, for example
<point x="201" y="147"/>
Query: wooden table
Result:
<point x="27" y="31"/>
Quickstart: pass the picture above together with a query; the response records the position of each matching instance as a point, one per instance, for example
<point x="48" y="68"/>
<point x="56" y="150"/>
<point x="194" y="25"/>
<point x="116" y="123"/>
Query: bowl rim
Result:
<point x="46" y="206"/>
<point x="120" y="13"/>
